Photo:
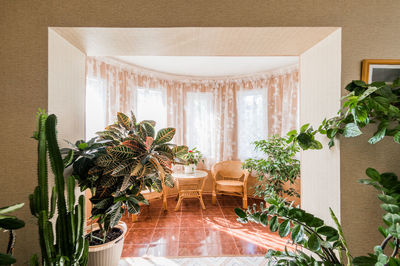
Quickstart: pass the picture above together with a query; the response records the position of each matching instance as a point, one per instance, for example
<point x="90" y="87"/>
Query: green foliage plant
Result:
<point x="67" y="244"/>
<point x="279" y="167"/>
<point x="306" y="231"/>
<point x="193" y="156"/>
<point x="9" y="223"/>
<point x="126" y="158"/>
<point x="376" y="103"/>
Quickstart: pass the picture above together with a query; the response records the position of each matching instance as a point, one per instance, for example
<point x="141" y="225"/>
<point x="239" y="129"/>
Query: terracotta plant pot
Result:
<point x="107" y="254"/>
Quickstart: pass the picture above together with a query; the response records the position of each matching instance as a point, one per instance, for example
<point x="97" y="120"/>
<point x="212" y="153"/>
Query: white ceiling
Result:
<point x="195" y="41"/>
<point x="210" y="65"/>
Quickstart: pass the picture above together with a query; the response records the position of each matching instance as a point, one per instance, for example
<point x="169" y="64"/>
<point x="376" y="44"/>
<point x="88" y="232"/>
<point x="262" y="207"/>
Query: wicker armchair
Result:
<point x="229" y="179"/>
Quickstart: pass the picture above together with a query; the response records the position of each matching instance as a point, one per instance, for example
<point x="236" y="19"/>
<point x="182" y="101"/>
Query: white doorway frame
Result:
<point x="320" y="92"/>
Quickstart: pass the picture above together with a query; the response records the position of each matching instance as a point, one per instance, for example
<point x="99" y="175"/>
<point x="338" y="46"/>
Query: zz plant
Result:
<point x="66" y="245"/>
<point x="305" y="230"/>
<point x="127" y="158"/>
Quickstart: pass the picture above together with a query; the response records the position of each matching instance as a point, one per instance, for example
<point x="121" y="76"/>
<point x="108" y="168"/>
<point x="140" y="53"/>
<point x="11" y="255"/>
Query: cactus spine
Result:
<point x="68" y="246"/>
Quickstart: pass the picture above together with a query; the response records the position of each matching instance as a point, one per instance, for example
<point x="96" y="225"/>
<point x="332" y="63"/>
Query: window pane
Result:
<point x="252" y="121"/>
<point x="95" y="107"/>
<point x="200" y="123"/>
<point x="151" y="105"/>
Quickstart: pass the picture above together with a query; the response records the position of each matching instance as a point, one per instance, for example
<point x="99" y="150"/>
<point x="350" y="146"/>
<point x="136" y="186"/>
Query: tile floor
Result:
<point x="192" y="231"/>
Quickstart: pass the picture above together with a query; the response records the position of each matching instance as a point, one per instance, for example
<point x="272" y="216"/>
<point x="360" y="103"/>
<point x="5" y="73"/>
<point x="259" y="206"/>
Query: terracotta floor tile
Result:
<point x="228" y="211"/>
<point x="226" y="249"/>
<point x="192" y="250"/>
<point x="145" y="222"/>
<point x="192" y="235"/>
<point x="192" y="212"/>
<point x="192" y="231"/>
<point x="250" y="248"/>
<point x="212" y="210"/>
<point x="163" y="250"/>
<point x="235" y="224"/>
<point x="192" y="221"/>
<point x="134" y="250"/>
<point x="215" y="221"/>
<point x="168" y="222"/>
<point x="218" y="236"/>
<point x="165" y="236"/>
<point x="139" y="236"/>
<point x="170" y="213"/>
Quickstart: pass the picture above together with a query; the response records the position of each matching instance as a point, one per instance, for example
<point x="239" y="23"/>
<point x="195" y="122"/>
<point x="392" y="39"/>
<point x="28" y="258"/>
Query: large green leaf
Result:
<point x="396" y="137"/>
<point x="378" y="136"/>
<point x="121" y="152"/>
<point x="104" y="160"/>
<point x="7" y="259"/>
<point x="373" y="174"/>
<point x="11" y="208"/>
<point x="297" y="233"/>
<point x="124" y="120"/>
<point x="273" y="224"/>
<point x="11" y="223"/>
<point x="165" y="135"/>
<point x="284" y="228"/>
<point x="392" y="208"/>
<point x="351" y="130"/>
<point x="314" y="243"/>
<point x="150" y="132"/>
<point x="239" y="212"/>
<point x="327" y="231"/>
<point x="180" y="150"/>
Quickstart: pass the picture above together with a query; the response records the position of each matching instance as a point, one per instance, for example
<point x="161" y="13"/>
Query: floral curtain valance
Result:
<point x="221" y="116"/>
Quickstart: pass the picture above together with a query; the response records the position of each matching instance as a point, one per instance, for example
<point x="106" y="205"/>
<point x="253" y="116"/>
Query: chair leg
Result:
<point x="244" y="202"/>
<point x="165" y="207"/>
<point x="214" y="197"/>
<point x="134" y="218"/>
<point x="178" y="204"/>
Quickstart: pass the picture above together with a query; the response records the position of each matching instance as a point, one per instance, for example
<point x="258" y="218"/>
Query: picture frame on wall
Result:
<point x="380" y="70"/>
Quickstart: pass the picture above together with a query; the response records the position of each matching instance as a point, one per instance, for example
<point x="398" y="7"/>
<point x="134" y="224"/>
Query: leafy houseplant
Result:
<point x="305" y="230"/>
<point x="128" y="157"/>
<point x="279" y="167"/>
<point x="68" y="245"/>
<point x="366" y="103"/>
<point x="192" y="158"/>
<point x="9" y="223"/>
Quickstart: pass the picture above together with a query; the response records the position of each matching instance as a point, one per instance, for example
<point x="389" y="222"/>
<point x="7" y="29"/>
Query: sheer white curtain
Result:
<point x="219" y="116"/>
<point x="151" y="104"/>
<point x="252" y="120"/>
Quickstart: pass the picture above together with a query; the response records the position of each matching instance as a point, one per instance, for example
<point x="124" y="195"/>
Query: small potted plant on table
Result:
<point x="192" y="158"/>
<point x="127" y="158"/>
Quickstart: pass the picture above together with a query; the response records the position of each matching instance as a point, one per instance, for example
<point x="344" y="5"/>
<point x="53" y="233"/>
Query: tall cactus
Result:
<point x="68" y="246"/>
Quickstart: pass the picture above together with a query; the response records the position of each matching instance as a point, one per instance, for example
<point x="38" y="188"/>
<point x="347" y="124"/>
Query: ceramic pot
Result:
<point x="107" y="254"/>
<point x="189" y="169"/>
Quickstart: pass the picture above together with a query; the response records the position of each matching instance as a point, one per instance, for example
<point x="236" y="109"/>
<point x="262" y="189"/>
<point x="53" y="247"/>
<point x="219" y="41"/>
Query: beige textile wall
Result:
<point x="369" y="31"/>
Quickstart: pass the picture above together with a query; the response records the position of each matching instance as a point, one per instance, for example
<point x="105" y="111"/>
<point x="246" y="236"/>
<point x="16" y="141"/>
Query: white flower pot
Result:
<point x="189" y="169"/>
<point x="107" y="254"/>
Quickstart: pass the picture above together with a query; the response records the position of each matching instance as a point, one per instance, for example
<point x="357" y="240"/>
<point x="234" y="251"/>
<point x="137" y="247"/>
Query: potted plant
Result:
<point x="365" y="104"/>
<point x="9" y="224"/>
<point x="125" y="159"/>
<point x="279" y="166"/>
<point x="192" y="158"/>
<point x="62" y="243"/>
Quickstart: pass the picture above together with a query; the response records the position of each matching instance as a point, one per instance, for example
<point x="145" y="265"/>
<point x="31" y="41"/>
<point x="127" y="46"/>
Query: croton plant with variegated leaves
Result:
<point x="125" y="159"/>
